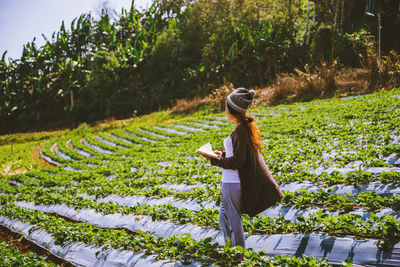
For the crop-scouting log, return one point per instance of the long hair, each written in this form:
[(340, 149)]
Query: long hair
[(248, 121)]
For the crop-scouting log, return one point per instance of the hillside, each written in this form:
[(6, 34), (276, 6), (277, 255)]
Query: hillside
[(135, 192)]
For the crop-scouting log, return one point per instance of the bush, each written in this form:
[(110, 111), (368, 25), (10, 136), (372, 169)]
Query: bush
[(386, 73), (349, 47), (101, 87), (329, 44), (389, 71), (165, 69), (321, 47), (82, 129)]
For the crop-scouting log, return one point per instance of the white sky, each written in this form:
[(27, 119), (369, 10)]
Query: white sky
[(22, 20)]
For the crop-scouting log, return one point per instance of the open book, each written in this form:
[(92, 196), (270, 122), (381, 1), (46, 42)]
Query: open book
[(206, 150)]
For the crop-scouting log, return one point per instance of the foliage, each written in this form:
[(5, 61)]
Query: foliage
[(145, 60), (389, 72), (330, 44), (11, 256), (102, 84)]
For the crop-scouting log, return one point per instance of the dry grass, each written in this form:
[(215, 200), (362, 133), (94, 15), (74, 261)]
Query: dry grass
[(352, 81), (322, 82), (303, 86), (217, 98), (187, 105), (326, 82)]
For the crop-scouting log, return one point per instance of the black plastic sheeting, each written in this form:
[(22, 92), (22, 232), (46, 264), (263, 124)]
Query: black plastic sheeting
[(109, 142), (344, 171), (336, 249), (98, 149), (61, 154), (81, 152), (122, 139), (340, 189), (178, 187), (291, 213), (379, 188), (170, 130), (80, 254), (153, 133), (199, 124), (48, 159), (142, 200), (187, 128), (140, 137)]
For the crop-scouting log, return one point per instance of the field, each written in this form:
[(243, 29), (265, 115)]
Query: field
[(139, 194)]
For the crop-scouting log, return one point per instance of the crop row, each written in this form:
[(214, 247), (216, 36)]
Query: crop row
[(351, 224), (367, 157), (308, 154), (273, 244), (286, 166), (98, 186), (176, 248), (353, 176), (12, 256)]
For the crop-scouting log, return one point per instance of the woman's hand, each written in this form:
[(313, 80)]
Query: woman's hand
[(219, 153), (207, 157)]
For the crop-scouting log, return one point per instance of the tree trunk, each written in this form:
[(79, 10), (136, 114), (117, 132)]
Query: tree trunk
[(72, 109), (342, 14), (313, 17), (290, 19), (335, 7), (308, 15), (398, 13)]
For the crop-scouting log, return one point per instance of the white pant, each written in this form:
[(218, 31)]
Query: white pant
[(230, 217)]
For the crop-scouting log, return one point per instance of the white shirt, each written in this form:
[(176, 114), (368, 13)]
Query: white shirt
[(228, 175)]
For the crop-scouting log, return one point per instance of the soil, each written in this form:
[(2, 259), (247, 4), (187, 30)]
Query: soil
[(69, 144), (25, 246), (53, 148), (36, 157)]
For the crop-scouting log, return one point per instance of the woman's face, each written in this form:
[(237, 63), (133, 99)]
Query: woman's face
[(228, 114)]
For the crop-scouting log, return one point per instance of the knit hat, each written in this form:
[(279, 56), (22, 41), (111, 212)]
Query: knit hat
[(240, 99)]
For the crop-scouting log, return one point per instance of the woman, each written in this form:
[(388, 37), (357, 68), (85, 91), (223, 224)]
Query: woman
[(247, 186)]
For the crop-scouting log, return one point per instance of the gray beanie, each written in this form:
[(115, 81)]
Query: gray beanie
[(240, 99)]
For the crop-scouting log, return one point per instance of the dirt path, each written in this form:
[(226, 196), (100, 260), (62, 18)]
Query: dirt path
[(36, 157)]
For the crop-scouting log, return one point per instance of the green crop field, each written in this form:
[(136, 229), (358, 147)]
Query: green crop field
[(139, 194)]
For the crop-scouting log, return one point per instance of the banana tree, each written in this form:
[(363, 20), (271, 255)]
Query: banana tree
[(68, 75)]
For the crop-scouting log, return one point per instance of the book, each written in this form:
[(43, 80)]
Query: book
[(206, 150)]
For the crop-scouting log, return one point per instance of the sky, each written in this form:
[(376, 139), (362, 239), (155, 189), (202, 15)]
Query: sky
[(22, 20)]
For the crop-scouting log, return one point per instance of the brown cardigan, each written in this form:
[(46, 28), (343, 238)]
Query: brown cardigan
[(259, 190)]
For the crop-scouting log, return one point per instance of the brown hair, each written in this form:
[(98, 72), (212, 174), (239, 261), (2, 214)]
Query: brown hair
[(251, 126)]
